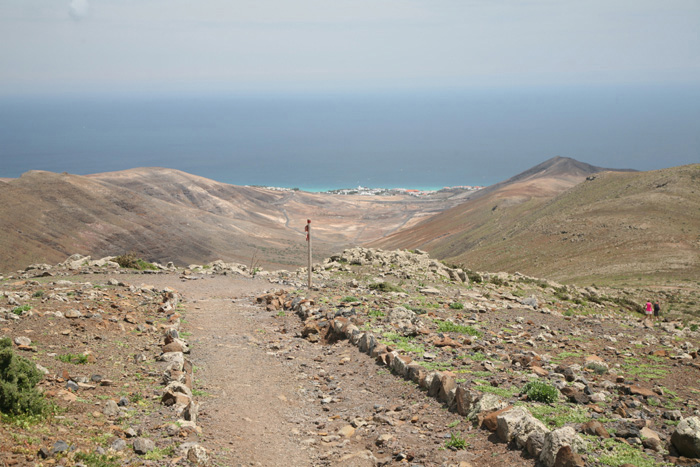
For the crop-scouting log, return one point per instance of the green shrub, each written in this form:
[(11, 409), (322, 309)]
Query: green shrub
[(19, 309), (385, 287), (597, 367), (457, 306), (539, 391), (349, 299), (18, 378), (474, 276), (38, 294), (449, 326), (131, 261), (498, 281)]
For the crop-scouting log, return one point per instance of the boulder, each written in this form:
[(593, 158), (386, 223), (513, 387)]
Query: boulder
[(555, 440), (400, 365), (518, 425), (464, 398), (176, 393), (487, 403), (686, 437), (143, 445), (197, 455), (567, 457)]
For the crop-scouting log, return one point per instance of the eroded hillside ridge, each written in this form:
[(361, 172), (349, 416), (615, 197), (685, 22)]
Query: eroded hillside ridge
[(608, 227), (168, 215)]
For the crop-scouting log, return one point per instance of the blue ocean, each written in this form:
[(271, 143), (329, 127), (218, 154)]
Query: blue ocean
[(316, 142)]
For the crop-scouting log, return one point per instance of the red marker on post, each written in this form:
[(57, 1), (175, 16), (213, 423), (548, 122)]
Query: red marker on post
[(308, 240)]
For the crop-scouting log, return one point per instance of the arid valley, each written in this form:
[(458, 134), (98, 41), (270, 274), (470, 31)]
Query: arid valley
[(498, 327)]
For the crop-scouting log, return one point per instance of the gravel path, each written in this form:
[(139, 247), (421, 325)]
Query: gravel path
[(272, 399)]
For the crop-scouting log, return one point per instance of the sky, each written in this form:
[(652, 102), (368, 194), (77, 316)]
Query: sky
[(268, 46), (474, 90)]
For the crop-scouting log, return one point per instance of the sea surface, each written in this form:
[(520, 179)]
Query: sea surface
[(319, 142)]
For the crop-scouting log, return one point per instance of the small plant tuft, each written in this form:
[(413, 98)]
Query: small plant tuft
[(449, 326), (456, 442), (72, 358), (539, 391), (457, 306), (385, 287)]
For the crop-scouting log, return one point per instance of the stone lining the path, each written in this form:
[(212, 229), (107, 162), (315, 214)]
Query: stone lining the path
[(511, 424)]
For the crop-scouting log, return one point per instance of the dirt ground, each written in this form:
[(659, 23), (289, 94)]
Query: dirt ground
[(267, 391), (269, 397)]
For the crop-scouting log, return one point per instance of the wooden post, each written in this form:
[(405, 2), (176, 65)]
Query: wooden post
[(308, 240)]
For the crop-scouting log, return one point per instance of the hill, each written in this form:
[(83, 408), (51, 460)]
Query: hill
[(616, 225), (164, 214)]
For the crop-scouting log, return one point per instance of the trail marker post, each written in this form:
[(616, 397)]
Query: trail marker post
[(308, 240)]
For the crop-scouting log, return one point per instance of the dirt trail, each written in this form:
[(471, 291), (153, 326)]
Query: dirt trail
[(249, 399), (272, 399)]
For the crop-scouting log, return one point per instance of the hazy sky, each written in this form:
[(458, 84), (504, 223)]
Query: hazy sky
[(328, 45)]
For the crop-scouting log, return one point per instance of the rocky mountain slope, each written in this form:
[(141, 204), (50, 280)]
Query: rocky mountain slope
[(612, 226), (393, 357), (167, 215)]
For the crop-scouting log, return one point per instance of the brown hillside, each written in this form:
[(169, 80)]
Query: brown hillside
[(166, 214), (487, 212), (616, 225)]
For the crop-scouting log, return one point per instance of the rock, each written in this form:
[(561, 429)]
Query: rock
[(357, 459), (534, 443), (118, 445), (686, 437), (383, 439), (566, 457), (73, 314), (59, 446), (446, 342), (415, 373), (447, 384), (143, 445), (518, 425), (43, 453), (672, 415), (487, 403), (640, 391), (595, 428), (367, 343), (23, 341), (555, 440), (190, 412), (400, 365), (652, 443), (110, 409), (347, 431), (176, 393), (197, 455), (464, 398), (489, 420)]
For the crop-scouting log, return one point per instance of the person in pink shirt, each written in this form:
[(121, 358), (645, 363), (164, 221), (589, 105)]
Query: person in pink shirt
[(649, 309)]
